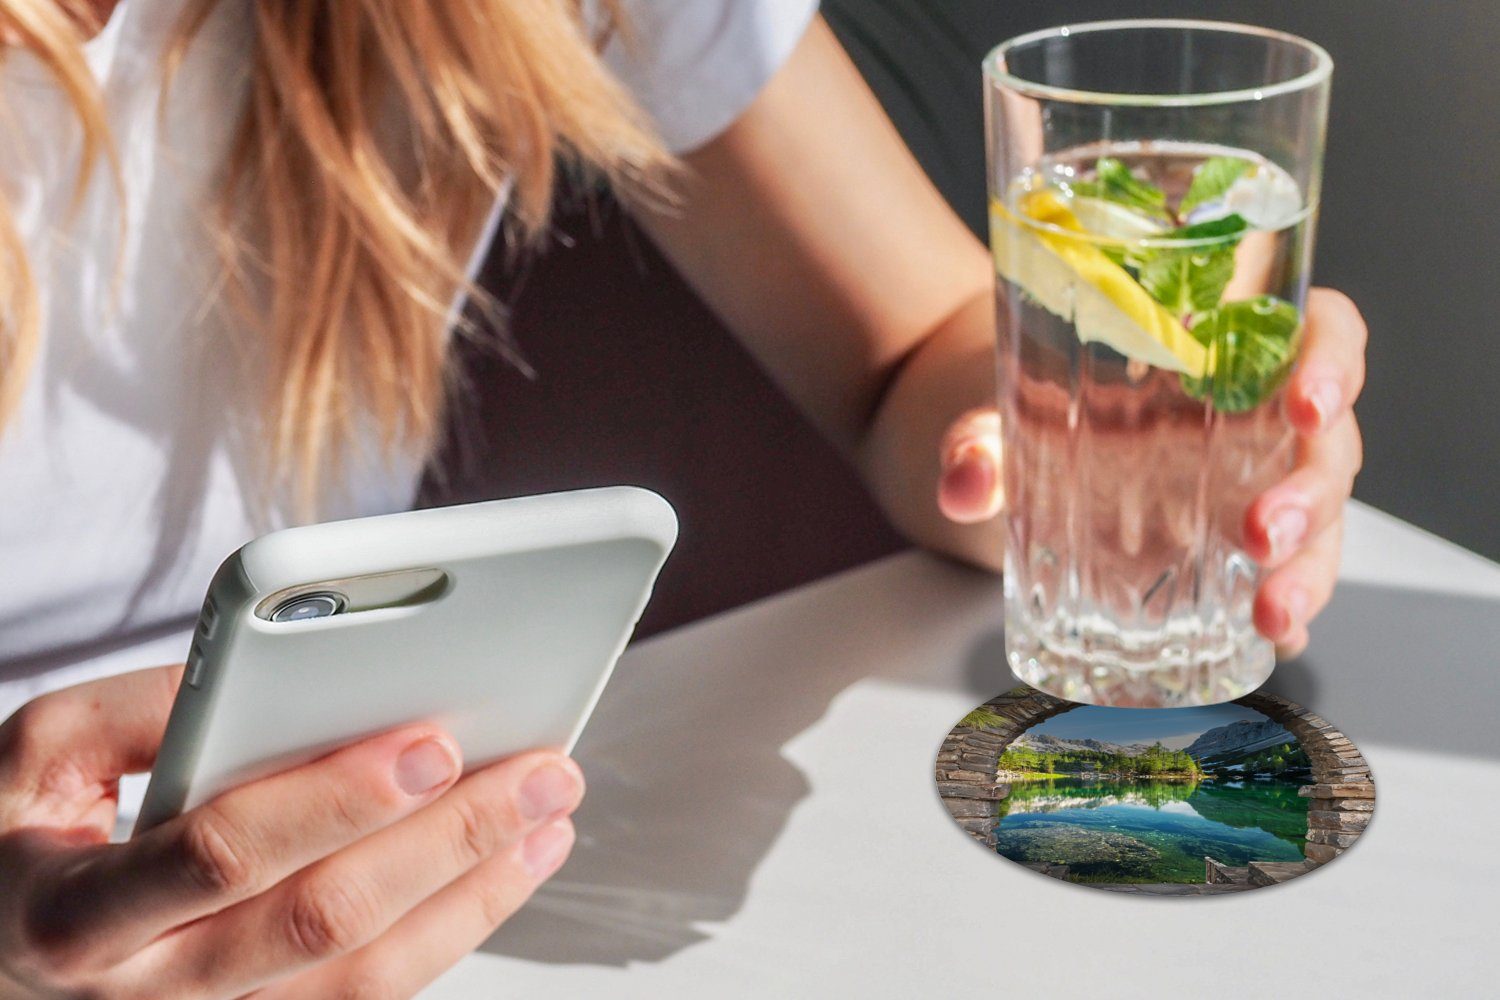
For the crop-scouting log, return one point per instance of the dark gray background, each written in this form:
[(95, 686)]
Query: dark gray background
[(1408, 227)]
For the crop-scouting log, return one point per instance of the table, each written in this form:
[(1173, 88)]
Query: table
[(762, 821)]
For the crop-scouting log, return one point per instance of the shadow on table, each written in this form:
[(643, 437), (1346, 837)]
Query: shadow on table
[(688, 785), (1404, 667), (689, 788)]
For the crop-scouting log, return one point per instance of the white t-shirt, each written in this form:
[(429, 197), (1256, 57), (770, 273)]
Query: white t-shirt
[(124, 480)]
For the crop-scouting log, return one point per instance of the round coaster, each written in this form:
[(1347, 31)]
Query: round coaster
[(1170, 802)]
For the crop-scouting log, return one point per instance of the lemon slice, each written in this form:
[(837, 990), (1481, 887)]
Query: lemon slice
[(1106, 218), (1075, 280)]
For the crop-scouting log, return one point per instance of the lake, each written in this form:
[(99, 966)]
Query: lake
[(1150, 830)]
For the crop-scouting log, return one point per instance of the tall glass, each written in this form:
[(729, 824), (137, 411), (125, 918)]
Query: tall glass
[(1153, 188)]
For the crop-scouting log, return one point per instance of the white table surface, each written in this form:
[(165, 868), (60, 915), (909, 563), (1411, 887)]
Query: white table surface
[(762, 822)]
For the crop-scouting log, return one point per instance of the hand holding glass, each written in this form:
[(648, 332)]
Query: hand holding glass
[(1153, 187)]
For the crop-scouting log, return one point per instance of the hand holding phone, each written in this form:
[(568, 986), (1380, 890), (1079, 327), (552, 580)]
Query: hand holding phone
[(499, 622), (375, 862)]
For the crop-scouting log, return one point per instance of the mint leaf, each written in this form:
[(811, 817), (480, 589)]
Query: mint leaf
[(1192, 279), (1211, 180), (1185, 283), (1114, 182), (1250, 349), (1132, 257), (1215, 229)]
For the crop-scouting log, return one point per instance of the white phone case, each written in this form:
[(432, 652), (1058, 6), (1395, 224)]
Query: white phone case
[(537, 598)]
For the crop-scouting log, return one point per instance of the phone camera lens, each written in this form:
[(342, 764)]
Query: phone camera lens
[(305, 606)]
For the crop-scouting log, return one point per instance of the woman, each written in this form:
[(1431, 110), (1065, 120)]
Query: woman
[(233, 239)]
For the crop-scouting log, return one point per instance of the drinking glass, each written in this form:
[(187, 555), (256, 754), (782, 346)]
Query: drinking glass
[(1153, 189)]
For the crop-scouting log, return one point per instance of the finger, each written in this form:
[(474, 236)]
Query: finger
[(1294, 644), (1291, 596), (442, 929), (101, 730), (1331, 371), (969, 487), (122, 896), (349, 899), (1301, 506)]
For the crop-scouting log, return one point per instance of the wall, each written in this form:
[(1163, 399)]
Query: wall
[(633, 380), (1408, 222)]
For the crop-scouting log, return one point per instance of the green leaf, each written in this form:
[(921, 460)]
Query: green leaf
[(1188, 283), (1251, 345), (1217, 229), (1114, 182), (1211, 180), (1192, 279)]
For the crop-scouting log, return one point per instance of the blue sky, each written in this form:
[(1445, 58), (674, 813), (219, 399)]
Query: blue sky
[(1174, 727)]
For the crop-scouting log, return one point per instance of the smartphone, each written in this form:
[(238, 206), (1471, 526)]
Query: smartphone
[(500, 621)]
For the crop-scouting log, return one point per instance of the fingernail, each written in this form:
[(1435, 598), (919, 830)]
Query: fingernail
[(1325, 396), (1297, 603), (968, 453), (424, 765), (1286, 530), (971, 471), (971, 478), (545, 850), (549, 790)]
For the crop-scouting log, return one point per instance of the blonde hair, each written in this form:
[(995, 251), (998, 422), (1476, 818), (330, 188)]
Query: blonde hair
[(345, 256)]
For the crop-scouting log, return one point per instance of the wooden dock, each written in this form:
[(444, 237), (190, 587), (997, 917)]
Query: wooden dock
[(1276, 872), (1256, 873)]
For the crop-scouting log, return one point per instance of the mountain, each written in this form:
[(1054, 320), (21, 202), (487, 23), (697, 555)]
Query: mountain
[(1043, 743), (1224, 744)]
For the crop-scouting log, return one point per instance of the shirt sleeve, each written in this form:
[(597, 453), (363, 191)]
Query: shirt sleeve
[(695, 65)]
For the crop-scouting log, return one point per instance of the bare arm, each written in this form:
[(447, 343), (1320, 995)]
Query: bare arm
[(819, 240)]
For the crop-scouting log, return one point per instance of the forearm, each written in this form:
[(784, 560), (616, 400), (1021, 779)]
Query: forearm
[(949, 373), (811, 230)]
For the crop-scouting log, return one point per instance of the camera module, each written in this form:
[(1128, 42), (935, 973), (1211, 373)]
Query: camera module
[(307, 606)]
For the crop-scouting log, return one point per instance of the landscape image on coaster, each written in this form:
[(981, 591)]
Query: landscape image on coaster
[(1181, 802)]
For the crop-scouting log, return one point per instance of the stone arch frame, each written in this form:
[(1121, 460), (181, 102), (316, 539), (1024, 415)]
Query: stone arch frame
[(1342, 793)]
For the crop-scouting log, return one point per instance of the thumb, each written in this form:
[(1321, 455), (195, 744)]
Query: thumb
[(970, 487)]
